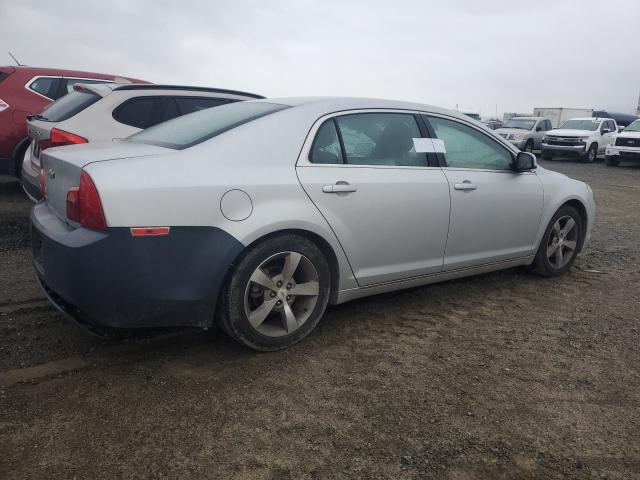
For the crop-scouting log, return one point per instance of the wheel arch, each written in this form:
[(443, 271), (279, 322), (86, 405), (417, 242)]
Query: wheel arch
[(582, 210), (324, 246), (18, 155)]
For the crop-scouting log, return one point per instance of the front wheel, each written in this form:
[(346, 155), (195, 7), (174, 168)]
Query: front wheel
[(560, 243), (528, 147), (276, 294), (591, 154)]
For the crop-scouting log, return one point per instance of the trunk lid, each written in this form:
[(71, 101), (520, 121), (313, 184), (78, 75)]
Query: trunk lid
[(63, 165)]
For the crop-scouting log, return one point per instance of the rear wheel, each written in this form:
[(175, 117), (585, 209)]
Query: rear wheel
[(560, 244), (276, 294), (611, 161)]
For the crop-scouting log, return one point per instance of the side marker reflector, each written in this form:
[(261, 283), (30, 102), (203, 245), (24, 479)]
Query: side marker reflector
[(149, 231)]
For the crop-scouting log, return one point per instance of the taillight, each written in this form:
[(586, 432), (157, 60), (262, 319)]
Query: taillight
[(3, 105), (84, 205), (43, 186), (59, 138)]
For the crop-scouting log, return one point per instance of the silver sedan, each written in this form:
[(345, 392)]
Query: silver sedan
[(258, 214)]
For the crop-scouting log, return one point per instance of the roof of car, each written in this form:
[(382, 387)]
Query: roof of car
[(132, 86), (26, 69), (335, 104), (527, 118)]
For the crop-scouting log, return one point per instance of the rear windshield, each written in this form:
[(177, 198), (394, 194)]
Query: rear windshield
[(194, 128), (68, 106)]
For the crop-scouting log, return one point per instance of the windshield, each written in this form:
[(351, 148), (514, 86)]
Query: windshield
[(194, 128), (519, 123), (633, 127), (581, 125)]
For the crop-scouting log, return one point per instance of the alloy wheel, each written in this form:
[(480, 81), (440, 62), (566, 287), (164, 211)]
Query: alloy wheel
[(281, 294), (563, 241)]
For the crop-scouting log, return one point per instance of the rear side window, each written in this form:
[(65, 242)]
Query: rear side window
[(46, 86), (141, 112), (381, 139), (195, 104), (69, 105), (326, 146), (189, 130), (3, 75)]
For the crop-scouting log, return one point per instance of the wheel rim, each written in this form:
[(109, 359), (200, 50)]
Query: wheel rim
[(281, 294), (563, 241), (528, 148), (592, 154)]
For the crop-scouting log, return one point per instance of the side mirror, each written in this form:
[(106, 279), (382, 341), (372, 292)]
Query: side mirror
[(524, 161), (605, 130), (539, 128)]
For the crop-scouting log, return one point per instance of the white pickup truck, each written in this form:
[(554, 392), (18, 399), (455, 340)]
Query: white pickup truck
[(626, 146), (581, 137)]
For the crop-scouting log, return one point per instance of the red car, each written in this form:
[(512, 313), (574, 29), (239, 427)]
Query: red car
[(25, 91)]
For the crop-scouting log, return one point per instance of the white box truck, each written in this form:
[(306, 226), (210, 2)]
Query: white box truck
[(560, 115)]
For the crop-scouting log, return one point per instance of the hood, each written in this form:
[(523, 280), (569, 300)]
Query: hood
[(629, 135), (560, 132), (509, 131)]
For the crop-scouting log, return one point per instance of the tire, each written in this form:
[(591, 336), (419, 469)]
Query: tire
[(592, 154), (547, 155), (288, 318), (611, 161), (546, 263), (528, 147), (19, 160)]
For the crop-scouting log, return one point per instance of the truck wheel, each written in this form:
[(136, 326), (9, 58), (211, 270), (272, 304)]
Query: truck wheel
[(591, 154), (528, 147), (611, 161)]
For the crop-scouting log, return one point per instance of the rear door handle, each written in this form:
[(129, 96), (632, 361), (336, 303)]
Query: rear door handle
[(466, 185), (339, 188)]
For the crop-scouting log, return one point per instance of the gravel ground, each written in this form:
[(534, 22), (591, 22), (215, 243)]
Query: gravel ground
[(506, 375)]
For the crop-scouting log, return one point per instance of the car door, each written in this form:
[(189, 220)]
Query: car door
[(495, 212), (387, 203), (538, 133), (608, 138)]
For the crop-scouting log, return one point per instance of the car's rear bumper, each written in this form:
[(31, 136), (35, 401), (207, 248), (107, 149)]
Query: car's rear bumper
[(114, 280), (30, 181)]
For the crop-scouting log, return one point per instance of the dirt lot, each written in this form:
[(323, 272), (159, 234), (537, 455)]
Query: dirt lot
[(507, 375)]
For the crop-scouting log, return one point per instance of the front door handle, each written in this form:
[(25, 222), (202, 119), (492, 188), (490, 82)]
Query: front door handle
[(466, 185), (339, 188)]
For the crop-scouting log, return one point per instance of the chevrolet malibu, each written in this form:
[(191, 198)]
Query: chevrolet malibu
[(259, 214)]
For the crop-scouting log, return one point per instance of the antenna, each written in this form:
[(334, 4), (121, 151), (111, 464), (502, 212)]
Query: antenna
[(15, 59)]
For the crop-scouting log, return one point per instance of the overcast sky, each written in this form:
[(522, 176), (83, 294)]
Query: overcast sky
[(516, 54)]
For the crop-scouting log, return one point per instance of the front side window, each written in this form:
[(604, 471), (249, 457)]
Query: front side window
[(189, 130), (380, 139), (45, 86), (466, 147)]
